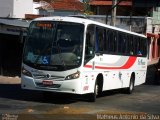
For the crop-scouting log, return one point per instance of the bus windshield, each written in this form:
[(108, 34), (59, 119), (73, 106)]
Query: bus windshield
[(54, 45)]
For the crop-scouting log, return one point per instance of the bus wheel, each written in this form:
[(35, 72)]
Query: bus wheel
[(92, 96), (131, 86)]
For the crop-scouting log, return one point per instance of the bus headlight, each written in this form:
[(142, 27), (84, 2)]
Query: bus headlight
[(26, 72), (73, 76)]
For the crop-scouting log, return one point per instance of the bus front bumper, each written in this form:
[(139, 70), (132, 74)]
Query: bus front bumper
[(65, 86)]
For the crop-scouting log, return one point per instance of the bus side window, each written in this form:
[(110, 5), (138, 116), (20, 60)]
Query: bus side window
[(144, 48), (90, 43), (128, 45), (110, 41), (124, 44), (131, 46), (121, 43), (139, 47), (106, 42), (113, 41), (100, 36)]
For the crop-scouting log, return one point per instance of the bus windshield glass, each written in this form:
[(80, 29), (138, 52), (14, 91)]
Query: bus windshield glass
[(54, 45)]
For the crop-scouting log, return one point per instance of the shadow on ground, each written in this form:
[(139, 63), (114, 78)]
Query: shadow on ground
[(14, 91)]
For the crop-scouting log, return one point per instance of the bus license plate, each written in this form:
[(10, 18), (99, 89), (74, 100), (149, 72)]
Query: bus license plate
[(47, 82)]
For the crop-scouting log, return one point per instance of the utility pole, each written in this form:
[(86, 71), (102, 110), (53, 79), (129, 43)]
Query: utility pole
[(114, 11)]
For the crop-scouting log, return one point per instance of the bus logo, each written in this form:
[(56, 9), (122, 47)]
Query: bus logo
[(48, 75), (141, 62)]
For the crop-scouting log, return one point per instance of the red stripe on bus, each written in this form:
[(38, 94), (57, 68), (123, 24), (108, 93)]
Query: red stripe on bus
[(88, 66), (127, 65)]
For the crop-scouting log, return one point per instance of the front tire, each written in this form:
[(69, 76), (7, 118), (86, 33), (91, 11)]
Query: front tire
[(93, 96)]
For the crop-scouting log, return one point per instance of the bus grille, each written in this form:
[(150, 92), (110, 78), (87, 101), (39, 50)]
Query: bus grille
[(51, 77)]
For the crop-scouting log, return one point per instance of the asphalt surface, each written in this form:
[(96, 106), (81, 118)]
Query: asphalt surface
[(25, 104)]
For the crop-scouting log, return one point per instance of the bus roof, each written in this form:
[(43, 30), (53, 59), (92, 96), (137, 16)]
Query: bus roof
[(84, 21)]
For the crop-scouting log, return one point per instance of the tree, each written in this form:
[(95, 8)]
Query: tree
[(87, 10)]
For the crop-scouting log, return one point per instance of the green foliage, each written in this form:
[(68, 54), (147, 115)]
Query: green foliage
[(87, 10)]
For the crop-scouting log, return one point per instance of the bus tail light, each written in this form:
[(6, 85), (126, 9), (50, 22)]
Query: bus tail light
[(73, 76), (26, 72)]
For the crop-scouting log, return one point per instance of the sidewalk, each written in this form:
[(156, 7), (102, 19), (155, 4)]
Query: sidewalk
[(10, 80)]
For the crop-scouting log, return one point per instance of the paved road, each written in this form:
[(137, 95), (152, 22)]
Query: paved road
[(15, 101)]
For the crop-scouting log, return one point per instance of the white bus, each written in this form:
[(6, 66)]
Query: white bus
[(81, 56)]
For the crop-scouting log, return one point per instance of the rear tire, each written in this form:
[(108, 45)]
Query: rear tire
[(130, 89)]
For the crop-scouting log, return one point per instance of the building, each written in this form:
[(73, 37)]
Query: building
[(12, 36), (103, 7), (61, 8), (12, 31), (15, 8), (144, 7), (125, 7), (147, 14)]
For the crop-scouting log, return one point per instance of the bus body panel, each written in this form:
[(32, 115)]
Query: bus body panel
[(59, 85), (117, 76)]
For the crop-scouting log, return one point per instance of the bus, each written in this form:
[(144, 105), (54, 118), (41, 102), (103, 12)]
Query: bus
[(81, 56)]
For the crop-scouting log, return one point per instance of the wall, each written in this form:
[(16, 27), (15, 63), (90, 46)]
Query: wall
[(22, 7), (156, 16), (6, 8), (15, 8), (64, 13), (35, 6), (57, 12)]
